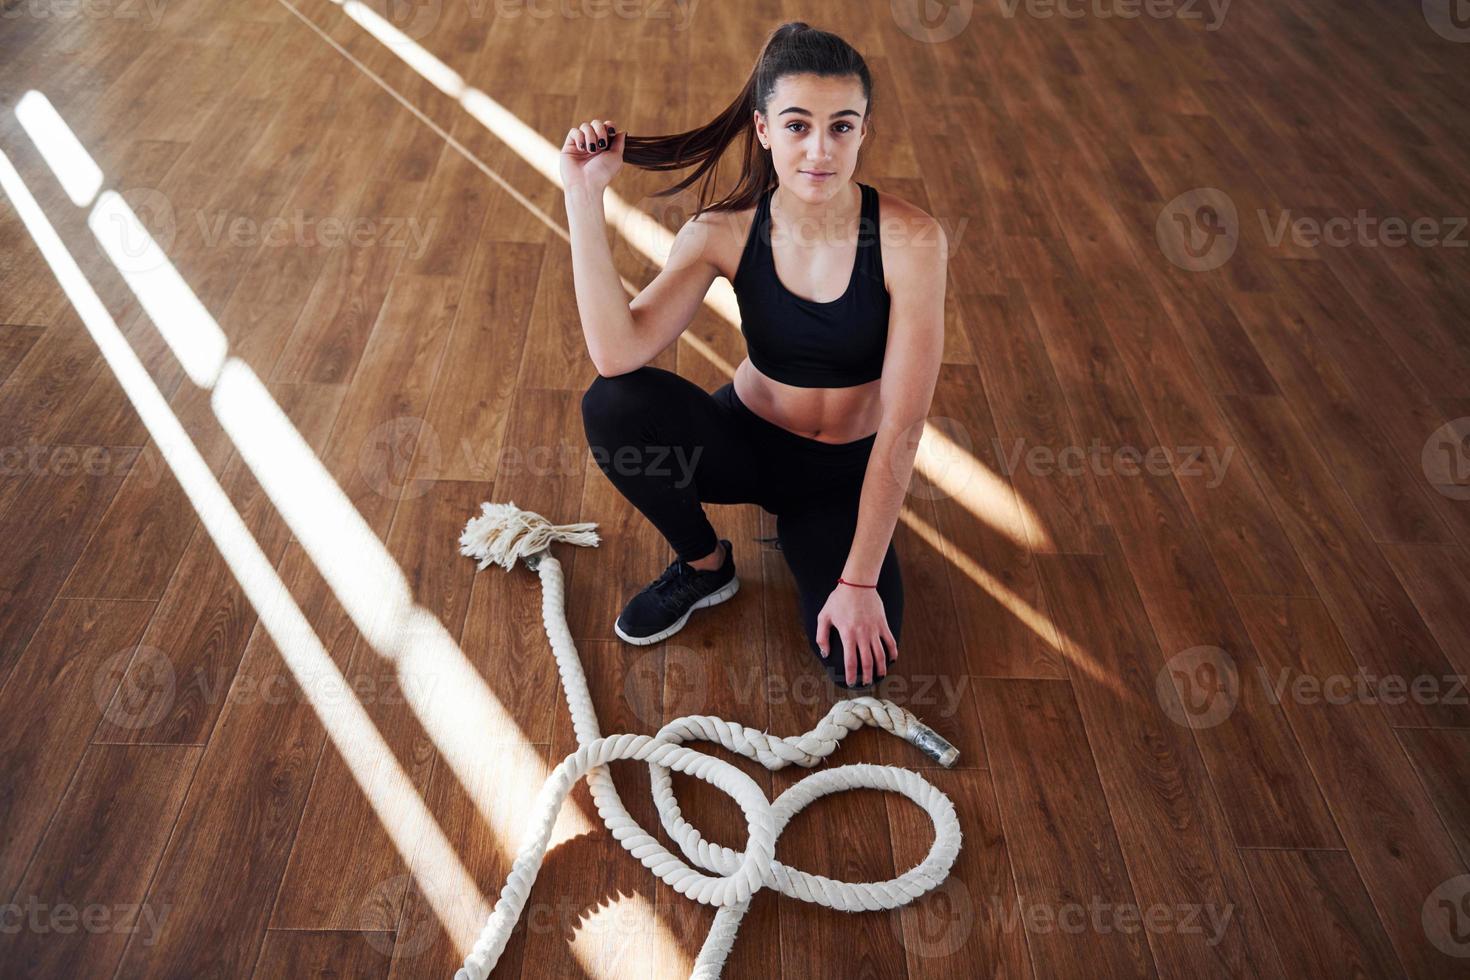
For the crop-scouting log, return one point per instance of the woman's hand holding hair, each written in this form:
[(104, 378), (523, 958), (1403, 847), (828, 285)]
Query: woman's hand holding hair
[(591, 156)]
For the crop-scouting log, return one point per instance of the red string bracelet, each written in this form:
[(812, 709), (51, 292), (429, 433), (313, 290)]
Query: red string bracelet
[(843, 581)]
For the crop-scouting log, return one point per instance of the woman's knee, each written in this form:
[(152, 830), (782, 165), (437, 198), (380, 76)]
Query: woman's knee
[(611, 403)]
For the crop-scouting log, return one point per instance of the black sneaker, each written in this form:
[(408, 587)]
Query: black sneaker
[(664, 605)]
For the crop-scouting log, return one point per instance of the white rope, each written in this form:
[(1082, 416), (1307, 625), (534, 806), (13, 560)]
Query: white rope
[(503, 533)]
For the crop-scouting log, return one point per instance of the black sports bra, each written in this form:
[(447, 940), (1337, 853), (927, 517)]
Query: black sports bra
[(801, 342)]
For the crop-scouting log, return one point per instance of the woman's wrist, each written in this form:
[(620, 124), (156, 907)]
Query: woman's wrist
[(583, 196)]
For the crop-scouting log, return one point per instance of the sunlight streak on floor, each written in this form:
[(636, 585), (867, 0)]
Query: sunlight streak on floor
[(196, 340), (957, 473), (387, 787), (79, 176), (1040, 624)]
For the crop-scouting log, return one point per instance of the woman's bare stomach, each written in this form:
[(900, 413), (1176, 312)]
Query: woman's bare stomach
[(823, 414)]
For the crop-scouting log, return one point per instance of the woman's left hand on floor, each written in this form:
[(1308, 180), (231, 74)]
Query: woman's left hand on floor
[(862, 625)]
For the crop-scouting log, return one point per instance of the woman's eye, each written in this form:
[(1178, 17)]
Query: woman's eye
[(844, 127)]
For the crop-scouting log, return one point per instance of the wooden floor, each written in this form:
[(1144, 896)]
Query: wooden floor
[(216, 518)]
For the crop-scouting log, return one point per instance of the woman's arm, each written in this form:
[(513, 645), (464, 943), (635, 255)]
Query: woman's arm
[(602, 302), (910, 373), (623, 336), (911, 363)]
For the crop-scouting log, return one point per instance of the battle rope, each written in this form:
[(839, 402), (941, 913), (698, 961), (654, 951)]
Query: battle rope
[(503, 533)]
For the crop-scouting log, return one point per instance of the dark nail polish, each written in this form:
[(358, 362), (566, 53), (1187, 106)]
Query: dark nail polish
[(602, 143)]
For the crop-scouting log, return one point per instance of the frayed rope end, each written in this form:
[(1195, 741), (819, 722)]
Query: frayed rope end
[(503, 532)]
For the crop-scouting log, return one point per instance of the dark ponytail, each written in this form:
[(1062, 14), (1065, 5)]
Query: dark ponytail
[(793, 48)]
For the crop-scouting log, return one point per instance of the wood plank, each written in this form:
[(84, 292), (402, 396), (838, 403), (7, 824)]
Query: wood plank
[(51, 706), (61, 365), (1377, 619), (1437, 579), (328, 343), (1320, 916), (1442, 759), (469, 409), (1169, 820), (1226, 692), (175, 687), (1042, 767), (1007, 629), (224, 861), (967, 926), (90, 873), (45, 530), (325, 955), (1388, 821), (16, 341), (1031, 415), (504, 615), (141, 538), (1392, 505), (318, 890)]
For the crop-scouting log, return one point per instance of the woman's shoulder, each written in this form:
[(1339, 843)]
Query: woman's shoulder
[(903, 212), (906, 232), (724, 233)]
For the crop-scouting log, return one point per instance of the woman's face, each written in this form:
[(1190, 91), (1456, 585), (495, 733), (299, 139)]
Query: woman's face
[(815, 126)]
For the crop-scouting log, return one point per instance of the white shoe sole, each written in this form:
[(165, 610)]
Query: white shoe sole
[(713, 599)]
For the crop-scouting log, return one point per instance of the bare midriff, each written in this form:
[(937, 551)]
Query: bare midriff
[(824, 414)]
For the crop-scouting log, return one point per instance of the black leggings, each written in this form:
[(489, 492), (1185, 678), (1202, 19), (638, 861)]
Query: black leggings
[(668, 445)]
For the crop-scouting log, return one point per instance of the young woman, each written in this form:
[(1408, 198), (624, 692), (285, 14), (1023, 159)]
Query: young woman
[(844, 335)]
